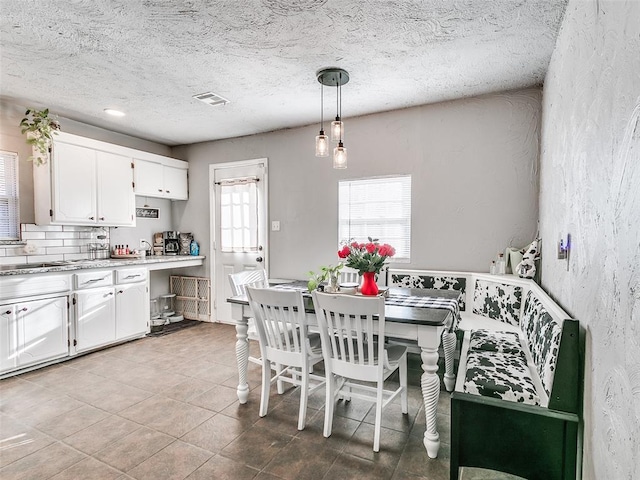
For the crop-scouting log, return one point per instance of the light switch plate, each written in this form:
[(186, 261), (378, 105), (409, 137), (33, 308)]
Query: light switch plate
[(275, 226)]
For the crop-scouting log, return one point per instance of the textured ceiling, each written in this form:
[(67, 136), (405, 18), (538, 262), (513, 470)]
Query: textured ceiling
[(149, 57)]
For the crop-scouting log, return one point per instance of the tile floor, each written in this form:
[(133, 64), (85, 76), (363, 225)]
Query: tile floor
[(166, 408)]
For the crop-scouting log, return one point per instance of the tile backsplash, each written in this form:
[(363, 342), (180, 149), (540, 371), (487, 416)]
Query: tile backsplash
[(51, 243)]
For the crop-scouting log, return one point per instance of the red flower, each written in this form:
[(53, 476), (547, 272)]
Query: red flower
[(344, 253), (371, 247), (387, 250)]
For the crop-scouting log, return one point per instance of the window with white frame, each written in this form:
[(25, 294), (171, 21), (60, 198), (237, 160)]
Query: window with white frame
[(239, 215), (377, 208), (9, 211)]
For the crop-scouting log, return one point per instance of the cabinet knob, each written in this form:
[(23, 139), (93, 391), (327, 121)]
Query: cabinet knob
[(24, 309), (107, 294), (120, 291), (102, 218), (92, 218), (159, 189), (7, 312), (168, 191)]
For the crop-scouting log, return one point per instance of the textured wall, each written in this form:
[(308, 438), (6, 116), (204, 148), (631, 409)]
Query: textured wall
[(590, 187), (474, 181)]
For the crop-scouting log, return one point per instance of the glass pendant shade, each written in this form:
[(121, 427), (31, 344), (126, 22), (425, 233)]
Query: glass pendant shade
[(337, 130), (340, 157), (322, 145)]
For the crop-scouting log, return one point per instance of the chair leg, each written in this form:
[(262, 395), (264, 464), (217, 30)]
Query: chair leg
[(376, 437), (402, 371), (266, 386), (329, 404), (304, 395), (280, 382)]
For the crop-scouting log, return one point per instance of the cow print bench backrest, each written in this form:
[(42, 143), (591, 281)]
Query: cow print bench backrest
[(543, 334), (498, 301), (439, 282)]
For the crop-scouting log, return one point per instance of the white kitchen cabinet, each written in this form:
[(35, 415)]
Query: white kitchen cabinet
[(74, 189), (132, 303), (95, 324), (33, 331), (161, 177), (84, 184), (116, 200)]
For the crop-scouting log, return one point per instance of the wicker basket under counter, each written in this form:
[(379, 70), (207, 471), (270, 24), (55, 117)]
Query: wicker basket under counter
[(193, 297)]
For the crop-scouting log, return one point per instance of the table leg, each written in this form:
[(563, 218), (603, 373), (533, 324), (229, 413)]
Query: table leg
[(242, 357), (430, 383), (449, 347)]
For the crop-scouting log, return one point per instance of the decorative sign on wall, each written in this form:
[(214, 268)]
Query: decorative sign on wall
[(146, 212)]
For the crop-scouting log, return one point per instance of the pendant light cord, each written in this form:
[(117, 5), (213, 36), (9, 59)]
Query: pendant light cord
[(321, 106), (340, 102)]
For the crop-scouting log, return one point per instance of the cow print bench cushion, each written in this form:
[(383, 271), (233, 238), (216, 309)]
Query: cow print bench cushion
[(493, 341), (505, 377)]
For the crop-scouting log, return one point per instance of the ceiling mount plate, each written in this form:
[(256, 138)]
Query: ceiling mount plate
[(332, 77)]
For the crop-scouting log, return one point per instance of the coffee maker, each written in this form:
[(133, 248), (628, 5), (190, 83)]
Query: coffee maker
[(171, 243)]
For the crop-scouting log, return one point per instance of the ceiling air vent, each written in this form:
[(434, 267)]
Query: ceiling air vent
[(211, 98)]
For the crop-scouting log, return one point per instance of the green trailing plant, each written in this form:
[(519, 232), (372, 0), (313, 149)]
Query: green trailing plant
[(326, 273), (40, 129)]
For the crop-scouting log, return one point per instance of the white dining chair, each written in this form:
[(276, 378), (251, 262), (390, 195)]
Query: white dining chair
[(349, 275), (352, 333), (280, 319), (239, 283)]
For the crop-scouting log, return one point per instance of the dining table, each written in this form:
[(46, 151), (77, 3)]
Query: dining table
[(425, 316)]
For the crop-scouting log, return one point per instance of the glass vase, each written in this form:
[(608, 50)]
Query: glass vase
[(369, 285)]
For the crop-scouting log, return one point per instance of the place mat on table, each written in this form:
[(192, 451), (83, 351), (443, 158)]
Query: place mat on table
[(427, 302), (290, 286)]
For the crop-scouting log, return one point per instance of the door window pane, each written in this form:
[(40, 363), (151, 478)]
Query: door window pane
[(239, 217)]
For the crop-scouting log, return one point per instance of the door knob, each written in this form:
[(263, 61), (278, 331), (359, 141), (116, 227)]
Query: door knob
[(259, 259)]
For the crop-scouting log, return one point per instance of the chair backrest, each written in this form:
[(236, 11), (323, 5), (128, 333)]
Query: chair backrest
[(248, 278), (349, 275), (281, 323), (352, 339)]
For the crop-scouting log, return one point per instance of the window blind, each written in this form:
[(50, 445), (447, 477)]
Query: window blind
[(9, 210), (239, 217), (378, 208)]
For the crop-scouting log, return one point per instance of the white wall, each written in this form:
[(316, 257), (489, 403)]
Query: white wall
[(473, 164), (590, 187)]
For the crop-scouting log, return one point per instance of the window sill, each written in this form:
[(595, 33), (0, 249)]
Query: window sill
[(12, 242)]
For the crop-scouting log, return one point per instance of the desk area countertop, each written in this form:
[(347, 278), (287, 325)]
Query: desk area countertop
[(158, 262)]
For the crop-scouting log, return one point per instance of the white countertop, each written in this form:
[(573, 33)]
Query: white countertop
[(157, 262)]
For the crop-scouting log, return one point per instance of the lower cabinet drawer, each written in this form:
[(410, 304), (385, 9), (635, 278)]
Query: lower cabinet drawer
[(94, 278), (130, 275)]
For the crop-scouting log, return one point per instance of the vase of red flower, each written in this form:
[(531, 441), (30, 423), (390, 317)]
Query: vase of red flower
[(368, 258)]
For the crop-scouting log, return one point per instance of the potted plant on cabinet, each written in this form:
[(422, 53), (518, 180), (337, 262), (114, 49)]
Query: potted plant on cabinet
[(39, 128)]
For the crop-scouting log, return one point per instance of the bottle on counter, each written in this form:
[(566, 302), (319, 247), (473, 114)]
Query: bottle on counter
[(492, 268), (194, 248), (501, 265)]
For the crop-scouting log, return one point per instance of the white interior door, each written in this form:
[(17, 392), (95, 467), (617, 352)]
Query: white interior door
[(238, 192)]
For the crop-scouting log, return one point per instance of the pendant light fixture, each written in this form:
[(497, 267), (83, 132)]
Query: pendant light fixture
[(333, 77), (322, 141)]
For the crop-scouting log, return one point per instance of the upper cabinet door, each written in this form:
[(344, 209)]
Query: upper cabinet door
[(176, 183), (74, 185), (161, 179), (148, 178), (116, 201)]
